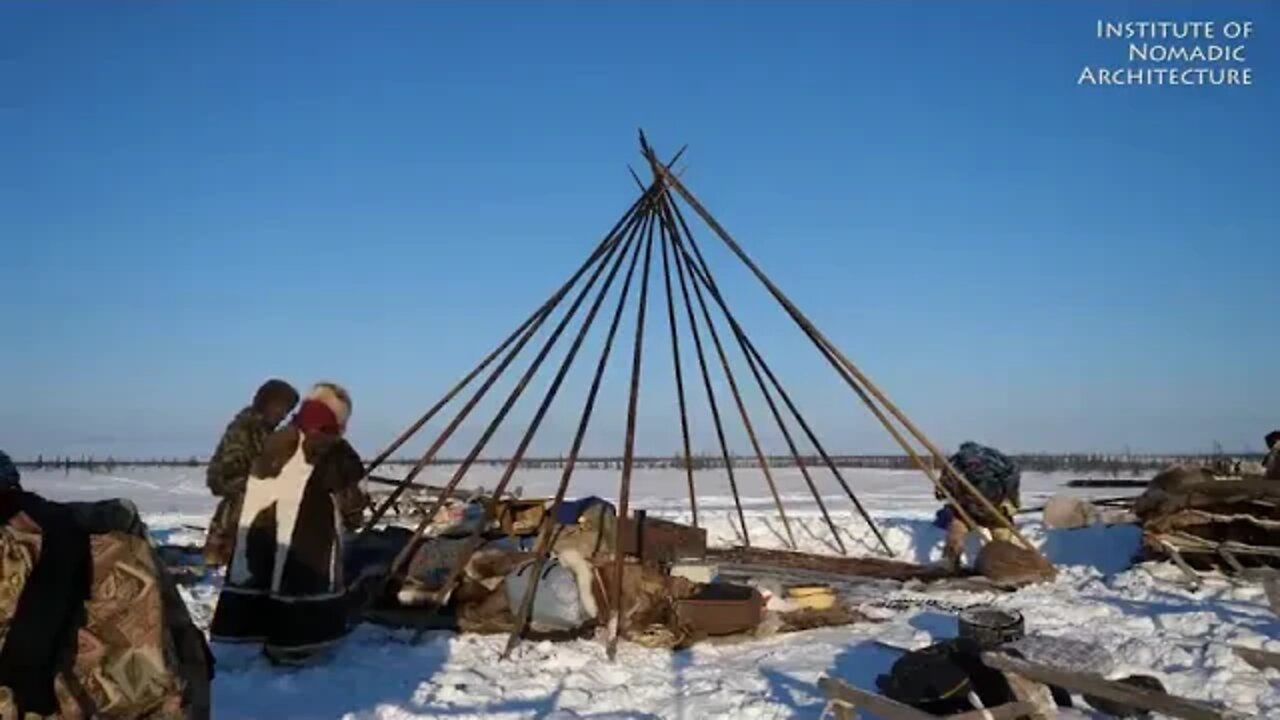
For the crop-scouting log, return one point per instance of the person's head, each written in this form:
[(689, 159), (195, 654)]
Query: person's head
[(1273, 437), (10, 479), (327, 408), (274, 400)]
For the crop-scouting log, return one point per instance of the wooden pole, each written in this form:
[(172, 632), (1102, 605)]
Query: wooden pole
[(403, 557), (675, 361), (854, 372), (529, 329), (711, 401), (754, 353), (742, 407), (475, 538), (628, 457), (543, 546), (744, 344), (675, 358)]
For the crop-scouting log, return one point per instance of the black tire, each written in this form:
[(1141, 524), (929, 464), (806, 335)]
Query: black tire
[(991, 627)]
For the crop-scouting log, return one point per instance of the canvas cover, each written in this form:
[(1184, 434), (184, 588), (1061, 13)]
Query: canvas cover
[(563, 599)]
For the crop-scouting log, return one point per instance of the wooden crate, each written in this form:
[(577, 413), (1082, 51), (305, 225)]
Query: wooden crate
[(654, 540)]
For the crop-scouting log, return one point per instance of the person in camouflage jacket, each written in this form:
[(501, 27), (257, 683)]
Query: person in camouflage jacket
[(228, 472), (285, 588)]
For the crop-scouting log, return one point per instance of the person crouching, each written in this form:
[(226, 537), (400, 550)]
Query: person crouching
[(991, 473), (284, 584)]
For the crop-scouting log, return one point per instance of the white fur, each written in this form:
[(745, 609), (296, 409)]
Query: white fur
[(289, 486), (285, 493), (585, 576), (334, 397), (415, 595)]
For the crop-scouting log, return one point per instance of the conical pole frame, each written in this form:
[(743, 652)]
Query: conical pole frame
[(655, 217)]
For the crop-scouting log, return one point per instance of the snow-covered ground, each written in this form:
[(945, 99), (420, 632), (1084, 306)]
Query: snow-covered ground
[(1144, 615)]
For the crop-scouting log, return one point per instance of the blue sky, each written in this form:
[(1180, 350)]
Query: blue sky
[(195, 196)]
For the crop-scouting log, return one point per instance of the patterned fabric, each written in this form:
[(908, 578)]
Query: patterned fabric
[(128, 665), (221, 537), (992, 473), (241, 442), (19, 548), (9, 476), (125, 663)]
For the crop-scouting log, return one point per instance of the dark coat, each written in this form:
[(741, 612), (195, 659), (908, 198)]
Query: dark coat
[(285, 585)]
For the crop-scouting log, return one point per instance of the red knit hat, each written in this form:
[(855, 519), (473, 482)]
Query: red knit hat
[(326, 409)]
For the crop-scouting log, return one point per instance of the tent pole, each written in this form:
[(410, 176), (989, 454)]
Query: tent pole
[(854, 372)]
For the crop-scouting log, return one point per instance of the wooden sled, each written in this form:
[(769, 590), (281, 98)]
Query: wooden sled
[(846, 701), (1096, 685)]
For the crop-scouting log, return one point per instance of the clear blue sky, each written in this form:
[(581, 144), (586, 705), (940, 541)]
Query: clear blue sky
[(195, 196)]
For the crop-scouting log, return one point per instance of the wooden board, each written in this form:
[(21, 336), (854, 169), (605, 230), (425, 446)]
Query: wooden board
[(846, 566), (1114, 483), (888, 709), (1116, 691)]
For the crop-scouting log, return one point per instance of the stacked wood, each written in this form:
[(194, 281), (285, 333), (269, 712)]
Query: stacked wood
[(1212, 523)]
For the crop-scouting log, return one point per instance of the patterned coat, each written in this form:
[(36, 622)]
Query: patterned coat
[(227, 476), (992, 473), (285, 585), (228, 472)]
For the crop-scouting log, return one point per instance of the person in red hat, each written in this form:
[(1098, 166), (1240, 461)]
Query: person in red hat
[(284, 586)]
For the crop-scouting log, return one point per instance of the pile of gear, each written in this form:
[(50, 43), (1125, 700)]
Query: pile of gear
[(1205, 521), (470, 574)]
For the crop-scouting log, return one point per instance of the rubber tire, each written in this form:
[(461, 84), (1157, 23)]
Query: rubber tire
[(990, 634)]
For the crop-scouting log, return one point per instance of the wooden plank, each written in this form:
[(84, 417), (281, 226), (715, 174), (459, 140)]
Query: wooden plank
[(1192, 576), (1101, 687), (884, 707), (844, 712), (1114, 483), (1008, 711), (1260, 659), (1272, 587), (860, 567), (1231, 559)]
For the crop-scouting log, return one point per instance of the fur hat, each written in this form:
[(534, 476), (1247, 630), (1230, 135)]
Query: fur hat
[(334, 397), (274, 391)]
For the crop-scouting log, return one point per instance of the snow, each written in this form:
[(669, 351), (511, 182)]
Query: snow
[(1149, 619)]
